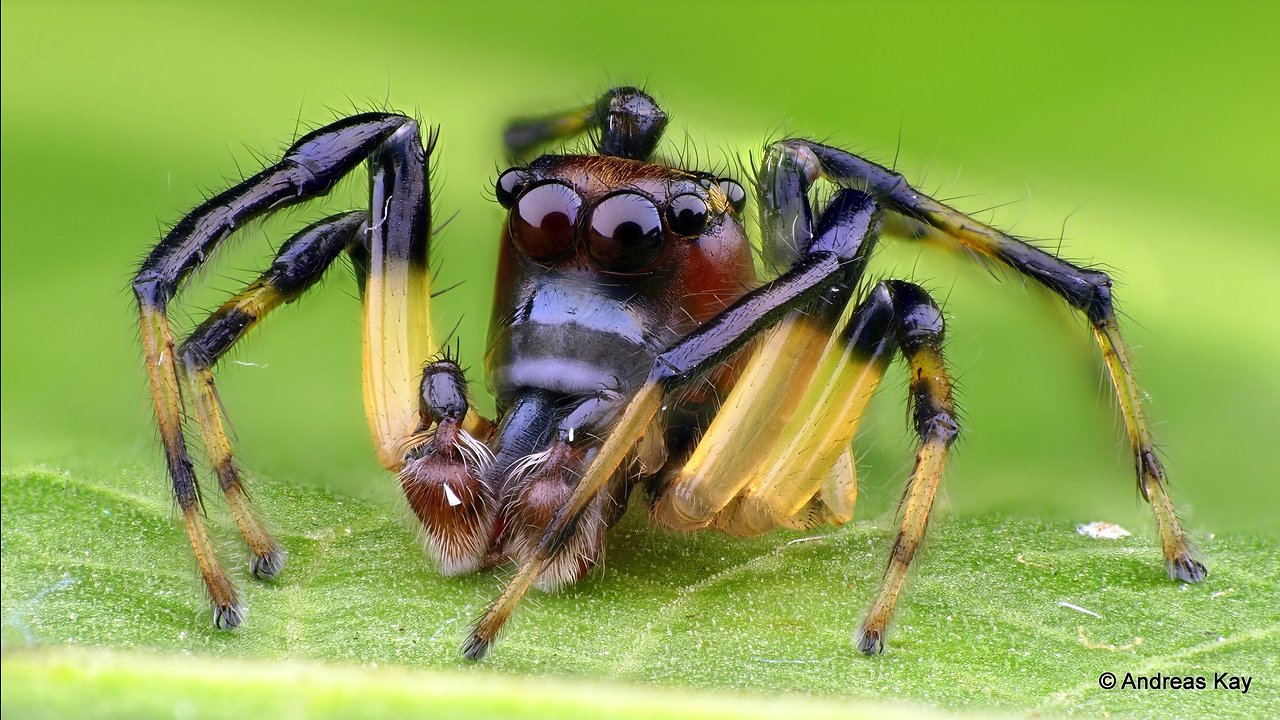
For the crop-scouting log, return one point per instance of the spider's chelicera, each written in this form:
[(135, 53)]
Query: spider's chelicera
[(632, 346)]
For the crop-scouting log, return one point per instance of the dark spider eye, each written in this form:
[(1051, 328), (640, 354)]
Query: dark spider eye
[(626, 232), (509, 185), (687, 214), (543, 220), (736, 195)]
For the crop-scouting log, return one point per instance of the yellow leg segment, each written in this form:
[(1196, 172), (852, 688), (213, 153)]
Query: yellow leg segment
[(805, 453), (397, 344), (916, 504), (751, 419), (252, 305), (162, 373)]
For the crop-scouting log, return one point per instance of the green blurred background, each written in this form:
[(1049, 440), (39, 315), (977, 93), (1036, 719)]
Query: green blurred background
[(1141, 135)]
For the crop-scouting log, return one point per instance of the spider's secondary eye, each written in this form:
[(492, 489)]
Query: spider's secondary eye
[(543, 221), (626, 232), (687, 215), (509, 186), (734, 192)]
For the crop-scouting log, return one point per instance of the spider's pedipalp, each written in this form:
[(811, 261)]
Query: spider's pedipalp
[(444, 477), (535, 493)]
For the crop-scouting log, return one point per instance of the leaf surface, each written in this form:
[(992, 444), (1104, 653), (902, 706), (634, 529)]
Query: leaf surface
[(1003, 613)]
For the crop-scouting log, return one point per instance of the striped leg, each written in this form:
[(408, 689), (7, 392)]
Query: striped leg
[(300, 264), (794, 478), (919, 332), (1088, 291), (787, 473), (396, 297), (798, 363)]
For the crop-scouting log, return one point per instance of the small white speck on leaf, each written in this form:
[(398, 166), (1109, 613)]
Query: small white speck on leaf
[(1099, 530)]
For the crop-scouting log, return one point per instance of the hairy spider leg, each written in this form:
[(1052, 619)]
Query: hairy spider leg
[(627, 121), (822, 265), (1088, 291), (397, 293), (918, 329), (399, 233), (300, 263), (798, 364)]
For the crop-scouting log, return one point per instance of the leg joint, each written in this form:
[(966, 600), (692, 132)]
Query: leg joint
[(1099, 306), (848, 226), (151, 288), (920, 321)]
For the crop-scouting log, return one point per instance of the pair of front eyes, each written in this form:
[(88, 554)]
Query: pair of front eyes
[(624, 230)]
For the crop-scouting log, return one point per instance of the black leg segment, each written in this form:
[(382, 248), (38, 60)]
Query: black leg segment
[(300, 263), (309, 168)]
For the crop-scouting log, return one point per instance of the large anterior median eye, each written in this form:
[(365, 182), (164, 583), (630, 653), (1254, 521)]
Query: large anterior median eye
[(626, 232), (543, 221)]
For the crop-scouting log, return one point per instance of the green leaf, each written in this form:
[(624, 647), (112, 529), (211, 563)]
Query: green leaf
[(997, 608)]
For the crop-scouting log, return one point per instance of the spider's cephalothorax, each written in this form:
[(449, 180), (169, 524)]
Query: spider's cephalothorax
[(619, 350)]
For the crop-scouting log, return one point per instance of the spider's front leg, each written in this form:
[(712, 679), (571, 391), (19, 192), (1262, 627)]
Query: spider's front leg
[(395, 256)]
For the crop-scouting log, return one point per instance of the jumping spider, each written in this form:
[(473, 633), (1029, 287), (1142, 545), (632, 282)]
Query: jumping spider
[(628, 304)]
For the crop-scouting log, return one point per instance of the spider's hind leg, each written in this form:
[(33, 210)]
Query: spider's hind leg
[(628, 121)]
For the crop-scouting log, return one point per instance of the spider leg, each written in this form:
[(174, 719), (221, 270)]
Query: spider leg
[(628, 120), (854, 218), (786, 472), (300, 264), (918, 330), (786, 483), (400, 228), (1088, 291)]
